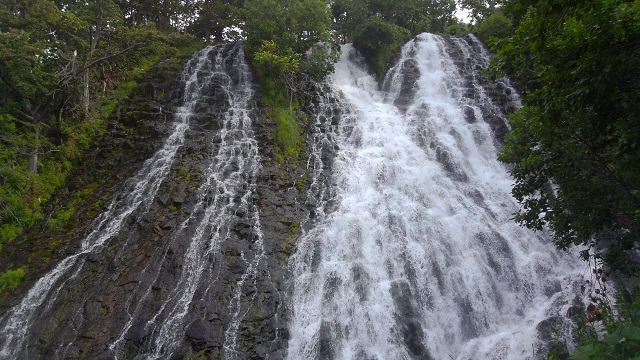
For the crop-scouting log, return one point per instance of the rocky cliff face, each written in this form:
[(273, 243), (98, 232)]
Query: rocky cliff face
[(222, 187), (182, 248)]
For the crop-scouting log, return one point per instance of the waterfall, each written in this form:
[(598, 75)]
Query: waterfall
[(137, 195), (156, 297), (418, 258), (226, 189), (408, 250)]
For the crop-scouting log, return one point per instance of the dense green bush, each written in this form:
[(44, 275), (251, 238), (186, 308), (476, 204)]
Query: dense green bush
[(496, 25), (578, 67), (319, 61), (10, 279), (379, 42), (622, 334)]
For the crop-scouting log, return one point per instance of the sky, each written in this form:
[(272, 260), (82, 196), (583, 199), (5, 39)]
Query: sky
[(463, 15)]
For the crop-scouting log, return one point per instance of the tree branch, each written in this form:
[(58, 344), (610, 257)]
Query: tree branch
[(69, 78)]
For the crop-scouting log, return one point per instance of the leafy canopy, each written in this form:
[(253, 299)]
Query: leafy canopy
[(575, 145)]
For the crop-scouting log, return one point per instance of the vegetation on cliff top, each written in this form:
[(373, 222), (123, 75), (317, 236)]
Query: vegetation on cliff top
[(66, 65), (65, 68)]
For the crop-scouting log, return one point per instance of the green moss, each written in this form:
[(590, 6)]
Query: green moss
[(379, 42), (284, 112), (299, 183), (288, 135), (183, 173), (10, 279), (8, 232), (287, 246), (202, 355), (94, 209), (61, 217), (172, 207)]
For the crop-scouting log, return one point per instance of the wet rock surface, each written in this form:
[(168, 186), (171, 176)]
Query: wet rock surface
[(113, 304), (495, 99)]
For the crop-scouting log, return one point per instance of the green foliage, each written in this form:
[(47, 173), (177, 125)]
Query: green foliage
[(379, 41), (414, 15), (481, 10), (292, 25), (495, 25), (288, 134), (279, 33), (299, 183), (43, 130), (202, 355), (214, 19), (319, 61), (622, 338), (282, 110), (575, 146), (457, 29), (61, 217), (275, 62), (10, 279)]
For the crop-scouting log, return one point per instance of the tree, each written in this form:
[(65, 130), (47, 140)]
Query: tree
[(481, 9), (494, 25), (417, 16), (37, 40), (290, 24), (575, 145), (378, 41), (347, 15), (212, 17), (55, 58), (282, 35)]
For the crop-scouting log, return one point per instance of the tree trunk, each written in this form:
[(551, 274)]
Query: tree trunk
[(85, 92), (33, 158), (94, 37)]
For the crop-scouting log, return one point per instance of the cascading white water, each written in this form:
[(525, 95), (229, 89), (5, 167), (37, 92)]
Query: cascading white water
[(229, 181), (137, 195), (225, 192), (419, 259)]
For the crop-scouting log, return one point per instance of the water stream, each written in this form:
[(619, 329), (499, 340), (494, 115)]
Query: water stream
[(408, 250), (420, 259)]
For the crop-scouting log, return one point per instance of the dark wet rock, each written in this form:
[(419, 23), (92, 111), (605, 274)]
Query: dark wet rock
[(549, 331), (136, 333), (406, 320), (410, 75), (198, 333), (469, 115), (445, 159), (326, 347), (470, 323), (138, 268), (498, 98), (552, 288)]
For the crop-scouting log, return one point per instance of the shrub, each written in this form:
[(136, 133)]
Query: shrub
[(379, 41), (10, 279), (496, 25)]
